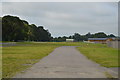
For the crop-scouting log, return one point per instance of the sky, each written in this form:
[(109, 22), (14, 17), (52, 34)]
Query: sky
[(67, 18)]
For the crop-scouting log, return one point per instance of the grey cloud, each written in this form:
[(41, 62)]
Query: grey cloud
[(67, 18)]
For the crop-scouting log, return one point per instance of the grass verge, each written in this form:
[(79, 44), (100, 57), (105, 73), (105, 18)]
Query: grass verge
[(0, 62), (109, 75), (100, 53), (20, 57)]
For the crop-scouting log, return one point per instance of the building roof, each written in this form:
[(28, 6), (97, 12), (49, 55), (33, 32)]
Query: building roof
[(97, 38)]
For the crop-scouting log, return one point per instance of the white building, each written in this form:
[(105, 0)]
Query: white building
[(69, 40)]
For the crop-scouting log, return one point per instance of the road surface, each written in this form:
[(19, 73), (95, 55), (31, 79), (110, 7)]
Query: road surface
[(64, 62)]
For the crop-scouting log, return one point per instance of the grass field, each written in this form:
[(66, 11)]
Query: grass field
[(101, 54), (24, 54), (0, 61)]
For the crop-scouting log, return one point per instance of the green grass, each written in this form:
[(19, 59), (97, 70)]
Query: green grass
[(100, 53), (108, 75), (0, 62), (18, 58), (25, 54)]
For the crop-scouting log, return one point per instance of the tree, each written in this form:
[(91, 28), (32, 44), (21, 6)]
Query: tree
[(43, 35), (15, 29), (77, 37), (0, 29), (100, 35), (88, 35), (70, 37), (111, 35)]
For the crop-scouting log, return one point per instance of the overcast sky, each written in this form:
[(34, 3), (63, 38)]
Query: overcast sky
[(67, 18)]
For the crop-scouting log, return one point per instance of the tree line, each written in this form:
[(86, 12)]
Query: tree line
[(77, 37), (15, 29)]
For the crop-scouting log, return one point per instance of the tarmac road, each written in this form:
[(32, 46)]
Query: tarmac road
[(64, 62)]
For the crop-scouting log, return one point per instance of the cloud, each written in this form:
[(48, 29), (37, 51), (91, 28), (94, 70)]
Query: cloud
[(60, 0), (66, 18), (0, 8)]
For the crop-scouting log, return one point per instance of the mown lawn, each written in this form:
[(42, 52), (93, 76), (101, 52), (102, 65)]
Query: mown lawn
[(0, 62), (100, 53), (24, 54), (18, 58)]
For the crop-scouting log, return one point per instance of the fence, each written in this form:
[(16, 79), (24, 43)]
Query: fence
[(114, 44)]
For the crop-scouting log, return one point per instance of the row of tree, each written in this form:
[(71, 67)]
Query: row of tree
[(0, 29), (15, 29), (78, 37)]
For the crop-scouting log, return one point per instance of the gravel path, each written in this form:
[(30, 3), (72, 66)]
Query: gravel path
[(64, 62)]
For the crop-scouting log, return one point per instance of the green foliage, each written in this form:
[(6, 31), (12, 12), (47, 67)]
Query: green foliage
[(15, 29), (77, 37), (0, 29), (100, 35)]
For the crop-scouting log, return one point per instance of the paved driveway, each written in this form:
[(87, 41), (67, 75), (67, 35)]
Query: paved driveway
[(64, 62)]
